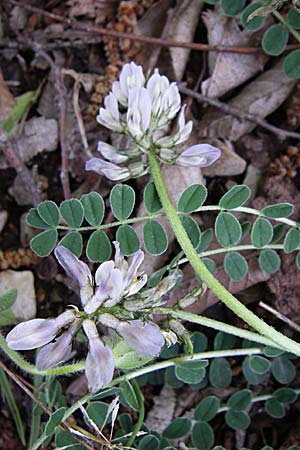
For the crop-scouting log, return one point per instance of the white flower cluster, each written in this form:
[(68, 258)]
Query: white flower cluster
[(116, 283), (140, 108)]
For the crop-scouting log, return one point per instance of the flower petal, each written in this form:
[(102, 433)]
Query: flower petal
[(37, 332), (111, 153), (146, 339), (108, 169), (136, 286), (201, 155), (99, 365), (75, 268), (139, 111), (104, 283), (103, 273), (136, 261), (55, 353)]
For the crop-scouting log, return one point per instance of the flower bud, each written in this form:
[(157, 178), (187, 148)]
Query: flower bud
[(170, 337), (137, 169), (177, 327), (167, 154), (111, 153), (187, 301)]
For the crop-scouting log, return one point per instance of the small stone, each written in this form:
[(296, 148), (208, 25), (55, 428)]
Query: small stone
[(25, 305)]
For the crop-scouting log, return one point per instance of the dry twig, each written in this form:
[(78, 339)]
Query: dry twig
[(138, 38), (61, 93), (14, 160), (238, 113), (28, 392), (280, 316)]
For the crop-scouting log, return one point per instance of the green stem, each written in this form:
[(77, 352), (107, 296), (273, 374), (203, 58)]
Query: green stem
[(163, 365), (258, 398), (284, 22), (216, 325), (216, 287), (140, 421), (234, 248), (111, 224), (246, 210), (242, 209)]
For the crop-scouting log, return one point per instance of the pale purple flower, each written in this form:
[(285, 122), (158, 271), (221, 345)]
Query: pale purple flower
[(108, 169), (183, 133), (110, 115), (58, 351), (116, 279), (37, 332), (109, 283), (165, 98), (157, 85), (132, 280), (144, 338), (200, 155), (139, 112), (99, 365), (184, 129), (131, 76), (77, 270), (111, 153), (170, 105)]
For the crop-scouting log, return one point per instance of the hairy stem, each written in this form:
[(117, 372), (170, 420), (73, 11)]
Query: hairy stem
[(216, 287), (216, 325)]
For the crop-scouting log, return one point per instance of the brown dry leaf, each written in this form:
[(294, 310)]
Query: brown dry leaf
[(183, 25), (18, 18), (262, 96), (180, 25), (154, 23), (162, 411), (177, 179), (39, 135), (92, 9), (228, 70), (7, 101)]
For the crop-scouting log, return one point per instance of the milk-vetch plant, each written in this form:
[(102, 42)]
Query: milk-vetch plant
[(119, 297)]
